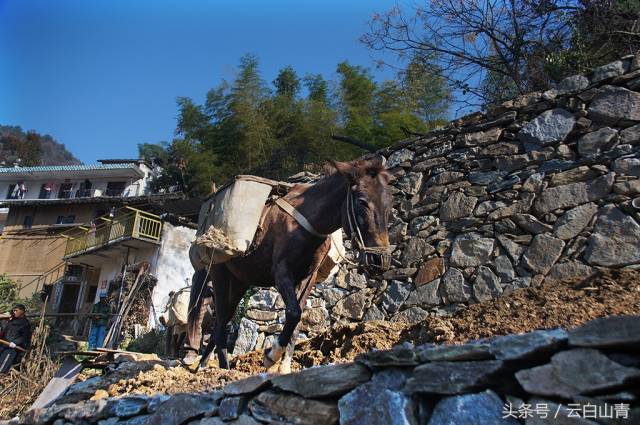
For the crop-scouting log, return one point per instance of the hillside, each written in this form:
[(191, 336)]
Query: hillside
[(32, 148)]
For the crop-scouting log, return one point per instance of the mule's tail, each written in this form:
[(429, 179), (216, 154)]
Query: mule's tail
[(195, 316)]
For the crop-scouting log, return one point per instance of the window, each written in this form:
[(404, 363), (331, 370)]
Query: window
[(85, 189), (12, 193), (115, 188), (45, 191), (91, 294), (65, 190), (28, 222), (70, 219)]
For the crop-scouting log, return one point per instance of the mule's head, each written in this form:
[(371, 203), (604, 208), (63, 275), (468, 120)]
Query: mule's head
[(370, 208)]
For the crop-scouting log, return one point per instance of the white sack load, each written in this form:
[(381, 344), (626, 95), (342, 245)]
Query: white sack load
[(228, 221), (177, 308)]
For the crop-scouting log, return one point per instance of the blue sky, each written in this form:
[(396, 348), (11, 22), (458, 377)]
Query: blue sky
[(103, 76)]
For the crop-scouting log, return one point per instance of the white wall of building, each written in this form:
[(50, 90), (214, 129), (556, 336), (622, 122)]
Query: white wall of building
[(172, 267)]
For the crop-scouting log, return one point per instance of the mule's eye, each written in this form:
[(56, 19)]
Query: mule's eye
[(363, 203)]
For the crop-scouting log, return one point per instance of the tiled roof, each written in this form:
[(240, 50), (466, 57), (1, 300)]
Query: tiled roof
[(53, 168)]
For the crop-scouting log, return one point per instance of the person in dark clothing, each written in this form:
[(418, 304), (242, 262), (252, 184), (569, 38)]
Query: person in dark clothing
[(17, 332), (99, 319)]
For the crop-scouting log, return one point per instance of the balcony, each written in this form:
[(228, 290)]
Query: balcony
[(132, 225)]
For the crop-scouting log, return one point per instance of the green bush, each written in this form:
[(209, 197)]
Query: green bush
[(153, 342), (9, 297)]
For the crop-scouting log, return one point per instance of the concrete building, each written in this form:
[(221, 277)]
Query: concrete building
[(73, 228)]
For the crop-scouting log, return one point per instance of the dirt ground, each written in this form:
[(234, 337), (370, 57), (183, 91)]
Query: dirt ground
[(566, 304)]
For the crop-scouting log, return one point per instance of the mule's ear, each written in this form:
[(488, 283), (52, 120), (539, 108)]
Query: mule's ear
[(345, 169)]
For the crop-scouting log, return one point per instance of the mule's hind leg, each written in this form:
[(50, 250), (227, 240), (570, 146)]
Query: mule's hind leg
[(228, 293)]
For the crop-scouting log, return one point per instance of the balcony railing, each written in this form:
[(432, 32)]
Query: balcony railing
[(133, 223)]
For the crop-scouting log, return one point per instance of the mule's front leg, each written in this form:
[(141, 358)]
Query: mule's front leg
[(293, 313)]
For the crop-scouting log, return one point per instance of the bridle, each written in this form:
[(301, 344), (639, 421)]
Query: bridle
[(373, 258)]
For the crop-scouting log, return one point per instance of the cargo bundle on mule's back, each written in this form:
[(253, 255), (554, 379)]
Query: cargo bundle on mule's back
[(229, 219)]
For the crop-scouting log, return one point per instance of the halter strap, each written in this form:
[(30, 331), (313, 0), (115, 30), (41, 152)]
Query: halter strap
[(302, 220)]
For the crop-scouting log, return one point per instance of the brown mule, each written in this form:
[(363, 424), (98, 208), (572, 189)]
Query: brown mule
[(354, 196)]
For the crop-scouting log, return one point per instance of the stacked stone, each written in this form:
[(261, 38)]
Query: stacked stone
[(589, 375), (264, 318), (544, 187)]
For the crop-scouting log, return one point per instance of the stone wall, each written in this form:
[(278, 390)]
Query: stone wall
[(542, 187), (589, 376)]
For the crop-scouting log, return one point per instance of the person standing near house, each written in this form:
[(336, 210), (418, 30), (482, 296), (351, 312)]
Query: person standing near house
[(99, 318), (17, 333)]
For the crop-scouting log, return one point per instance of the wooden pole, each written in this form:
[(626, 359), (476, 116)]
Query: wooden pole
[(2, 341)]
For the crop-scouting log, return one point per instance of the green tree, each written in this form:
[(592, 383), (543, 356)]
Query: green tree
[(287, 82)]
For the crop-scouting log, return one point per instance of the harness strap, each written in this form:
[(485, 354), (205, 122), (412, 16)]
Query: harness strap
[(289, 209)]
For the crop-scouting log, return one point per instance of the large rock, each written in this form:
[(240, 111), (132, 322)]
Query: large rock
[(398, 157), (470, 251), (549, 127), (272, 407), (591, 145), (504, 268), (627, 166), (514, 249), (455, 353), (608, 332), (352, 306), (263, 299), (410, 316), (181, 407), (421, 223), (614, 104), (574, 175), (369, 404), (430, 270), (573, 84), (571, 270), (425, 295), (248, 385), (232, 407), (480, 137), (574, 372), (401, 355), (530, 224), (571, 223), (457, 206), (454, 287), (542, 254), (610, 70), (630, 135), (410, 183), (571, 195), (247, 337), (483, 408), (396, 293), (453, 377), (486, 285), (530, 345), (416, 249), (323, 381), (615, 240), (446, 177)]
